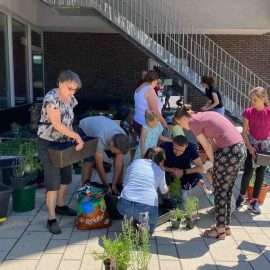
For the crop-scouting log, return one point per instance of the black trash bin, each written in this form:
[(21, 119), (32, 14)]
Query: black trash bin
[(5, 192)]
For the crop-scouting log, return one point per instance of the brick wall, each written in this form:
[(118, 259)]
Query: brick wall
[(253, 51), (108, 64)]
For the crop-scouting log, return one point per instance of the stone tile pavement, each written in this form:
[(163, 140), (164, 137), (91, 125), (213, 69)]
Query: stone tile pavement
[(25, 243)]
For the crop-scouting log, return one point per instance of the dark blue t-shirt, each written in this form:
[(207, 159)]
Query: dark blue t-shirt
[(181, 162)]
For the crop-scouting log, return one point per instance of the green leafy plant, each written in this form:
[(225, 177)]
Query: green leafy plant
[(191, 206), (175, 187), (129, 250), (116, 251), (138, 241), (177, 214), (29, 162)]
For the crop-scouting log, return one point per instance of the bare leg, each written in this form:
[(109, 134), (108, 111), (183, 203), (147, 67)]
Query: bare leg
[(87, 171), (51, 198), (62, 192)]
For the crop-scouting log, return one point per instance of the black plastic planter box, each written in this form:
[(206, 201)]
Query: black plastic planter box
[(5, 192)]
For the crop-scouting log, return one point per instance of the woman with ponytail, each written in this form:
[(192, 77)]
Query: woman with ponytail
[(256, 134), (143, 178), (224, 147)]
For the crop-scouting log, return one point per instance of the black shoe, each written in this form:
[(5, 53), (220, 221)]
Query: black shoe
[(65, 211), (53, 226), (239, 201)]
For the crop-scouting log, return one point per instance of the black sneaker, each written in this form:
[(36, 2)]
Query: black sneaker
[(239, 201), (65, 211), (53, 226), (254, 207)]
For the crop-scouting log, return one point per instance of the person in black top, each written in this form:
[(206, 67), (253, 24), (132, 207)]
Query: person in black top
[(215, 100), (183, 162)]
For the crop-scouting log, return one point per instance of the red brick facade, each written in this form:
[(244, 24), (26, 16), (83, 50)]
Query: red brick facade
[(109, 65), (253, 51)]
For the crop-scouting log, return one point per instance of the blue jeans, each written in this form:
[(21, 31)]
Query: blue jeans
[(132, 209), (219, 110)]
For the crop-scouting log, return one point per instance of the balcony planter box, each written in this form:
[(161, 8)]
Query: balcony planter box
[(263, 159), (63, 155)]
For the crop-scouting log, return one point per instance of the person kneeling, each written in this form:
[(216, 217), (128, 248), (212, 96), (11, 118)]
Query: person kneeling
[(143, 178)]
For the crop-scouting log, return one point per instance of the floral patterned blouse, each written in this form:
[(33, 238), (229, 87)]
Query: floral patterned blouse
[(46, 130)]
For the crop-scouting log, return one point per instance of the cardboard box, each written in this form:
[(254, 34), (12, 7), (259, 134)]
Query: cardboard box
[(263, 159), (67, 156)]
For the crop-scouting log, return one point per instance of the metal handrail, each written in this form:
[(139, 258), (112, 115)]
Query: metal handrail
[(190, 55)]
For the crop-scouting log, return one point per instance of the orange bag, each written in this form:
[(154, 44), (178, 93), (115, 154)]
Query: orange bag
[(96, 220), (91, 209)]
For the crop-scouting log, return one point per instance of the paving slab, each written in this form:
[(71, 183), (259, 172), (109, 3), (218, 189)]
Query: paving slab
[(19, 265), (70, 265), (49, 262), (74, 252), (26, 244), (56, 246), (30, 246)]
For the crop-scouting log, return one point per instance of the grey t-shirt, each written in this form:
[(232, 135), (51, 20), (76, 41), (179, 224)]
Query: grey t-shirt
[(102, 128)]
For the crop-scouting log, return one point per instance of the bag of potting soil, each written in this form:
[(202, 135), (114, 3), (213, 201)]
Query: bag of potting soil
[(91, 209)]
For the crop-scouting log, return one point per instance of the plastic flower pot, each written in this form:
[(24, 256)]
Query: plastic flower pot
[(5, 192), (24, 199), (189, 223), (262, 195), (175, 223), (109, 265)]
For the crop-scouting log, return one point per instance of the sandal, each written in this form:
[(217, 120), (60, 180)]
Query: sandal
[(214, 233), (227, 230)]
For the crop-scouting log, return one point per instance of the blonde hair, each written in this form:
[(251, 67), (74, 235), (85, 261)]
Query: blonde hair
[(261, 93), (150, 116)]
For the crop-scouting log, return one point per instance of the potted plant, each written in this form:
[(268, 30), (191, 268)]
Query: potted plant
[(175, 187), (25, 174), (116, 254), (263, 192), (176, 217), (191, 207), (29, 165), (129, 250), (138, 241)]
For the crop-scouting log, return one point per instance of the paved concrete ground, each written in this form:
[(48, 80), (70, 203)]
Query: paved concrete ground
[(25, 243)]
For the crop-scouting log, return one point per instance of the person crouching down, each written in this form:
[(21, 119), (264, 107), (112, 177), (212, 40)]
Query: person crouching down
[(183, 162), (113, 143), (143, 178)]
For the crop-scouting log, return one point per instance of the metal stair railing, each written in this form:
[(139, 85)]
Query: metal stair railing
[(155, 26)]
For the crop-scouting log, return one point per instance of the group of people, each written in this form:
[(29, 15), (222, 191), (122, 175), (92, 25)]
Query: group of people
[(158, 159)]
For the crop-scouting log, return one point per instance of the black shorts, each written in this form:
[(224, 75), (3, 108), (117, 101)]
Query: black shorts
[(53, 176)]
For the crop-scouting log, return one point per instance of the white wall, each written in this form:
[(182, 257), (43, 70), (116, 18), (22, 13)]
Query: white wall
[(209, 16), (225, 16), (25, 9), (50, 20)]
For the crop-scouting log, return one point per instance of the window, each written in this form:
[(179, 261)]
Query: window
[(20, 64), (37, 66), (4, 92), (38, 83), (36, 39)]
